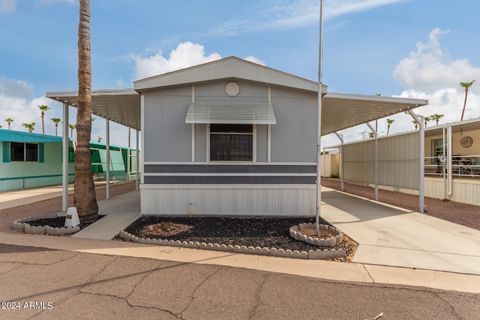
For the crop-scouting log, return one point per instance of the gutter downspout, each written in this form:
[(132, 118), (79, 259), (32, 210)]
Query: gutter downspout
[(375, 169), (342, 181)]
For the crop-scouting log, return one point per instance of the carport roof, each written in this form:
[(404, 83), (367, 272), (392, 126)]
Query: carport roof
[(340, 111)]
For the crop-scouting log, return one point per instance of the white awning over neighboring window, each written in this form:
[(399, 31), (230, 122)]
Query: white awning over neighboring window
[(230, 113)]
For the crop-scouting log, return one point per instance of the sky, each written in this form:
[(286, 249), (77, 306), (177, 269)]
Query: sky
[(408, 48)]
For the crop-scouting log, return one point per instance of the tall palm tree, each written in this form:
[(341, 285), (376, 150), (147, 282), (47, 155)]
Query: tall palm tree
[(9, 122), (56, 121), (43, 108), (415, 124), (72, 128), (466, 86), (84, 191), (30, 126), (99, 139), (436, 117), (389, 124)]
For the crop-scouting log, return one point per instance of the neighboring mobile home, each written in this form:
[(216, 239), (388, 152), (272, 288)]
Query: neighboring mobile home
[(31, 160), (231, 137)]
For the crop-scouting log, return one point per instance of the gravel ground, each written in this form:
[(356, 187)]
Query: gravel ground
[(256, 232), (464, 214), (7, 216), (58, 222)]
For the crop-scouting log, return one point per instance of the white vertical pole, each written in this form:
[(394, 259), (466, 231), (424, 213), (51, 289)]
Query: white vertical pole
[(128, 154), (421, 182), (65, 169), (449, 162), (444, 172), (342, 183), (193, 127), (269, 129), (376, 160), (137, 165), (107, 121), (318, 191)]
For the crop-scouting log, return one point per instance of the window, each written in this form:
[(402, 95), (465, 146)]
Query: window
[(23, 151), (231, 142)]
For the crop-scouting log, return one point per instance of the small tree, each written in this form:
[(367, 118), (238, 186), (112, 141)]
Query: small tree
[(389, 124), (43, 108), (466, 86), (99, 139), (427, 120), (56, 121), (415, 124), (436, 117), (9, 122), (30, 126), (72, 128)]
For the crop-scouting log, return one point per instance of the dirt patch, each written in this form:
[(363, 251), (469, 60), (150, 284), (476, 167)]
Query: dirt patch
[(312, 232), (58, 222), (164, 229)]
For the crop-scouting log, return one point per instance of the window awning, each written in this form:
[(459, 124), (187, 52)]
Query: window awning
[(230, 113)]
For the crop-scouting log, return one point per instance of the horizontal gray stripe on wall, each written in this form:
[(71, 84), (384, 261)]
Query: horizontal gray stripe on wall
[(229, 180), (212, 168)]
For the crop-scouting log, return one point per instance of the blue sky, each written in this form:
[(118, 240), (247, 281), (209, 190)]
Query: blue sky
[(370, 46)]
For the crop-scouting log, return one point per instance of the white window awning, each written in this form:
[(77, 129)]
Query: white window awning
[(230, 113)]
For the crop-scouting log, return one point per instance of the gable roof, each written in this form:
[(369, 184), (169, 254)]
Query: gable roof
[(226, 68)]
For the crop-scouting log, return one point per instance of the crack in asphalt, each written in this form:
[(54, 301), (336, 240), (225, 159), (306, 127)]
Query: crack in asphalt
[(192, 297), (258, 296), (42, 264), (452, 308)]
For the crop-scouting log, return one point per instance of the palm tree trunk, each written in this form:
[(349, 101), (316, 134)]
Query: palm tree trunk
[(56, 130), (43, 122), (84, 192), (464, 103)]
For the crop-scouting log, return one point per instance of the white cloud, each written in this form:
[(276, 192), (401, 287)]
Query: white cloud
[(7, 6), (290, 14), (429, 73), (185, 55), (255, 60), (429, 68)]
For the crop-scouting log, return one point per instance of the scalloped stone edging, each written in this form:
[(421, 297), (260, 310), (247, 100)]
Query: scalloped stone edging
[(311, 254), (22, 225), (330, 242)]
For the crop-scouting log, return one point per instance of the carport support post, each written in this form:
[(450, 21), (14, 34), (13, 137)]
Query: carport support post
[(421, 160), (318, 190), (375, 169), (65, 160), (137, 161), (342, 184), (107, 174)]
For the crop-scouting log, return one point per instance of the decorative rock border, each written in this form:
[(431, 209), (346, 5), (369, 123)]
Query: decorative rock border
[(311, 254), (23, 225), (330, 242)]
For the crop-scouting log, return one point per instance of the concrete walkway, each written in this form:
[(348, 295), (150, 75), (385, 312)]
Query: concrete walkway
[(392, 236), (120, 212), (17, 198)]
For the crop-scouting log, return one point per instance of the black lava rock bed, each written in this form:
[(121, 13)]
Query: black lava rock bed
[(58, 222), (256, 232)]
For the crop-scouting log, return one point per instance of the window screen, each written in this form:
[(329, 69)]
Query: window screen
[(231, 142), (31, 152), (17, 151)]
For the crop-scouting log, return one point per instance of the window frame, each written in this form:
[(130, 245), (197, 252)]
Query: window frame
[(254, 145), (25, 152)]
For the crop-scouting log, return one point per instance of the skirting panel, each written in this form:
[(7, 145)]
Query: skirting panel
[(231, 201)]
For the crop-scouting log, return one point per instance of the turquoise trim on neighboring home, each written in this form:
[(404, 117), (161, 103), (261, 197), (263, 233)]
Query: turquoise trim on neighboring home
[(19, 136)]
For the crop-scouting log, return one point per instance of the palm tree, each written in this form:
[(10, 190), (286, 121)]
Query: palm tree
[(436, 117), (416, 124), (466, 86), (72, 128), (389, 124), (30, 126), (427, 120), (84, 191), (43, 108), (56, 121), (9, 122), (99, 139)]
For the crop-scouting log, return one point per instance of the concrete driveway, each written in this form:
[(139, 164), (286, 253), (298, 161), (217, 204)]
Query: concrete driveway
[(91, 286), (392, 236)]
